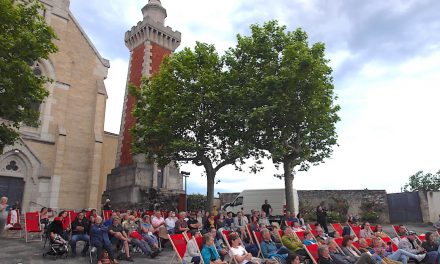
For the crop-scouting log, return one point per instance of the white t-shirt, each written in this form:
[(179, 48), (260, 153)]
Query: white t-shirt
[(239, 251), (170, 223)]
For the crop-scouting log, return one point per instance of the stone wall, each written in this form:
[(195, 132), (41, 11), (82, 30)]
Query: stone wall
[(430, 206), (353, 198)]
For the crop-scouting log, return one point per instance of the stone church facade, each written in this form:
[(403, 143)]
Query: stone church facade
[(62, 163)]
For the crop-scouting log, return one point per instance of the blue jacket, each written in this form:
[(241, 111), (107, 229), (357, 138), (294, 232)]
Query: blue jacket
[(209, 253), (268, 248), (99, 236)]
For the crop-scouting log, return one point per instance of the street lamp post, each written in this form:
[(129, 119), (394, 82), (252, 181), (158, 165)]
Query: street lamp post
[(186, 175)]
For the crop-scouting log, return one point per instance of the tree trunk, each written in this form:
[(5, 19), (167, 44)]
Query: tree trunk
[(210, 177), (288, 186)]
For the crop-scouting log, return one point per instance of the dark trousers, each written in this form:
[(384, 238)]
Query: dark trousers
[(195, 260)]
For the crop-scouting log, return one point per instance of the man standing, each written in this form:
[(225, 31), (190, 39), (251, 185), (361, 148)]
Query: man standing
[(267, 208)]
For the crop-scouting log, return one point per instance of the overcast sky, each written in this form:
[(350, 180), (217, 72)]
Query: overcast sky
[(386, 61)]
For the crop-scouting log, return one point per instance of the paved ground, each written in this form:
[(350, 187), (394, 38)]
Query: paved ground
[(14, 251)]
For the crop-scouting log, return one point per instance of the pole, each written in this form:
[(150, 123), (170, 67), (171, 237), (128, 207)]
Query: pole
[(186, 175)]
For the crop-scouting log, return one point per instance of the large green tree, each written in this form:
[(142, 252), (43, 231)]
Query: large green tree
[(421, 181), (24, 38), (187, 113), (290, 96)]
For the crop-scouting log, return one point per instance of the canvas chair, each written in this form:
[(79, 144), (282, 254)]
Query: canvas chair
[(179, 244), (32, 225), (300, 235), (393, 245), (312, 251), (16, 230), (337, 227), (356, 230)]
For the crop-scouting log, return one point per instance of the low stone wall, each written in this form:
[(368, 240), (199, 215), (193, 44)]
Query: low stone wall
[(350, 200)]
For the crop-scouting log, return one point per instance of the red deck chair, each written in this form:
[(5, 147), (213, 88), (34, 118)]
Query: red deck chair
[(258, 240), (199, 241), (179, 245), (339, 241), (32, 225), (88, 214), (312, 227), (337, 227), (187, 236), (300, 235), (248, 230), (312, 251), (71, 216), (288, 223), (373, 228), (107, 214), (314, 233), (16, 229), (356, 230), (356, 244)]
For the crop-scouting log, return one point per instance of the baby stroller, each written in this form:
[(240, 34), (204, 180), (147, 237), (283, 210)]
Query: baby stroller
[(58, 247)]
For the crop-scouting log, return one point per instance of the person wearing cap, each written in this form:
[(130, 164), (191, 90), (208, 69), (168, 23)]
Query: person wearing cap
[(409, 244), (107, 205)]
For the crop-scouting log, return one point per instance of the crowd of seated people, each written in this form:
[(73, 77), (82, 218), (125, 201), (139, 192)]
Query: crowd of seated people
[(126, 232)]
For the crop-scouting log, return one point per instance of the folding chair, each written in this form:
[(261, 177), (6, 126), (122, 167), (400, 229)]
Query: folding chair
[(187, 236), (225, 236), (258, 240), (71, 216), (373, 228), (107, 214), (16, 227), (312, 251), (300, 235), (248, 230), (32, 225), (356, 230), (280, 234), (179, 245), (311, 227), (288, 223), (337, 227), (198, 241)]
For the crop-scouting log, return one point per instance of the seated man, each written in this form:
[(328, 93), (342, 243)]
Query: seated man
[(229, 220), (340, 258), (409, 244), (240, 221), (292, 243), (131, 228), (400, 255), (80, 230), (269, 249), (157, 221), (321, 237), (324, 255), (364, 247), (193, 224), (264, 221), (118, 236), (401, 231), (99, 239), (147, 232), (366, 232)]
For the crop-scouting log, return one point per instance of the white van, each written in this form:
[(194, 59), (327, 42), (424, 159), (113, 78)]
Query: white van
[(253, 199)]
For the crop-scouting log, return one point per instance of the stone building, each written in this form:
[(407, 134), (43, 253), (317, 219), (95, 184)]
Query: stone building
[(60, 164), (134, 182)]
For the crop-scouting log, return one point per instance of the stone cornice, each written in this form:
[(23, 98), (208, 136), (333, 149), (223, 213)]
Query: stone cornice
[(149, 30)]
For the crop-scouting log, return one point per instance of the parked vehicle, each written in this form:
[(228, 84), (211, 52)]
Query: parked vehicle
[(253, 199)]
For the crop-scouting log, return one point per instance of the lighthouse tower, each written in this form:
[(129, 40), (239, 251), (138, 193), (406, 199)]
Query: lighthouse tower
[(134, 182)]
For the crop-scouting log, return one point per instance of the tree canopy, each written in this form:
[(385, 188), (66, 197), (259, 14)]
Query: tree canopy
[(25, 38), (421, 181), (290, 96), (186, 113)]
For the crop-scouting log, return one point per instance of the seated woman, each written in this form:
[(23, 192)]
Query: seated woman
[(347, 248), (209, 252), (117, 235), (147, 233), (263, 221), (45, 216), (366, 231), (364, 247), (431, 246), (379, 232), (60, 226), (239, 253), (308, 238), (209, 223), (296, 227), (99, 239), (253, 225), (192, 251), (131, 228)]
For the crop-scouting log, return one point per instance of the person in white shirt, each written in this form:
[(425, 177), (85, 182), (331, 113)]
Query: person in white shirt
[(192, 251), (157, 221), (170, 222), (240, 220), (366, 232), (263, 221), (239, 253)]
